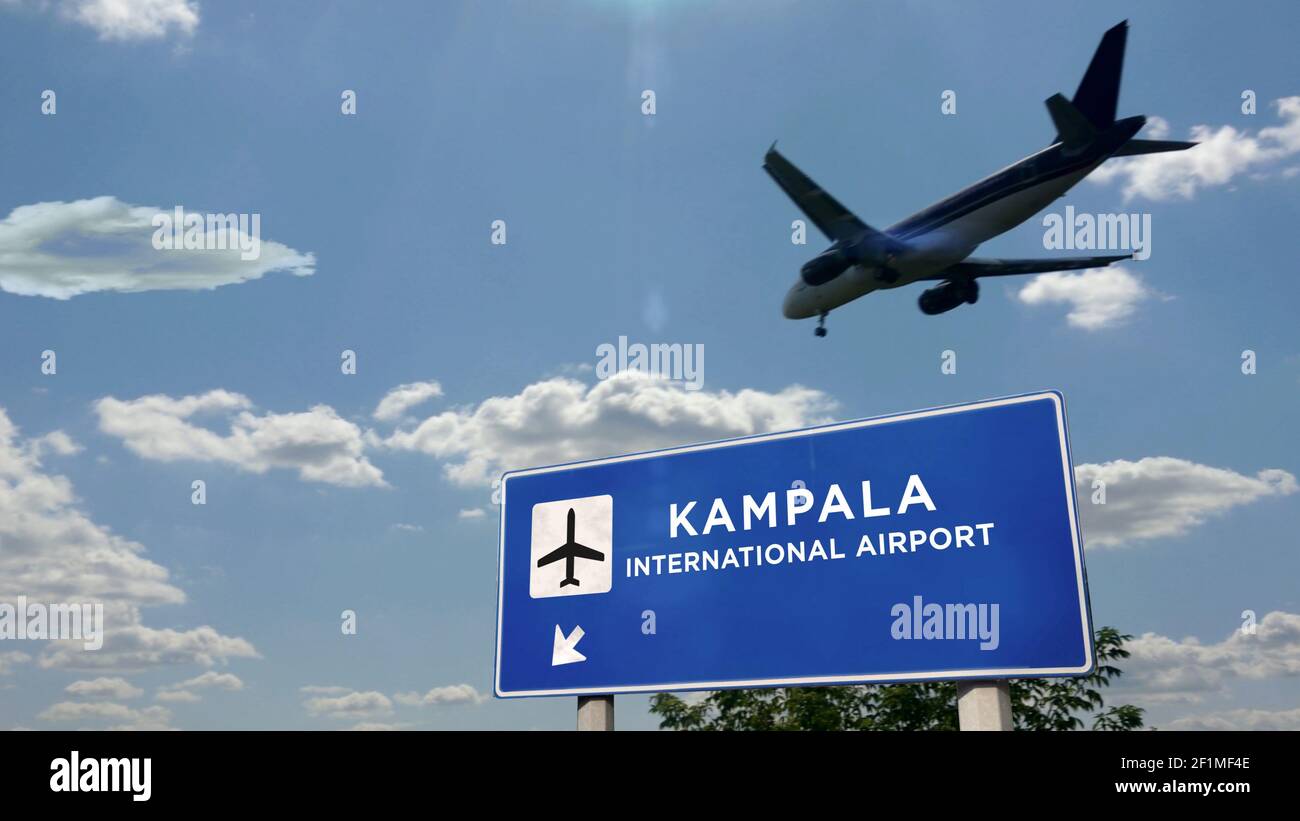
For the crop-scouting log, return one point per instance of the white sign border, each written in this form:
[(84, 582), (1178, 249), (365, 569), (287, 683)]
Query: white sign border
[(1081, 574)]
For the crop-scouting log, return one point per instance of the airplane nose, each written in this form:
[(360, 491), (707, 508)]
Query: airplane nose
[(787, 305), (795, 305)]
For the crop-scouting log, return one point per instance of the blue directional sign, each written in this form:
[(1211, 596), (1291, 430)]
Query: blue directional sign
[(938, 544)]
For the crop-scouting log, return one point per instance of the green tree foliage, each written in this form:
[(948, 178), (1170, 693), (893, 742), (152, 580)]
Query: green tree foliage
[(1036, 704)]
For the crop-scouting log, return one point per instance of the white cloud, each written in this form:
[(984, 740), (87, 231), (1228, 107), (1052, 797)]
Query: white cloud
[(321, 445), (133, 19), (352, 705), (451, 694), (62, 249), (1165, 669), (123, 20), (1242, 719), (1098, 297), (183, 691), (561, 420), (146, 718), (404, 397), (210, 679), (1223, 154), (323, 690), (107, 689), (11, 659), (408, 528), (1160, 496), (136, 647), (53, 553), (1157, 128), (376, 726), (472, 513), (56, 442), (145, 722)]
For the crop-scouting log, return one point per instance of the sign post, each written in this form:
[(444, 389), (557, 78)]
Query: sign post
[(934, 545), (595, 712), (984, 705)]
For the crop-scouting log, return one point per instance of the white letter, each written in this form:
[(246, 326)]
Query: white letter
[(791, 509), (719, 516), (605, 368), (832, 506), (910, 498), (142, 786), (676, 520), (60, 780), (869, 512), (768, 506)]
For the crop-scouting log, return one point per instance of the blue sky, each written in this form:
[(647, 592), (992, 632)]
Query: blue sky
[(660, 228)]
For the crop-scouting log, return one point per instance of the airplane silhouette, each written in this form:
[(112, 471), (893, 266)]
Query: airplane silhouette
[(569, 551)]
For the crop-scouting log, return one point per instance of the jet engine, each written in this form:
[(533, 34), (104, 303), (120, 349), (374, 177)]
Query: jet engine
[(827, 265), (948, 296), (841, 256)]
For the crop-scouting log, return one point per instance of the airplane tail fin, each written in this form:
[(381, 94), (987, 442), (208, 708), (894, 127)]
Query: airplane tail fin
[(1072, 126), (1098, 92), (568, 582)]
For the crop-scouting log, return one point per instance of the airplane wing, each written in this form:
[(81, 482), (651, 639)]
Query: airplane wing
[(584, 552), (975, 267), (553, 556), (834, 220)]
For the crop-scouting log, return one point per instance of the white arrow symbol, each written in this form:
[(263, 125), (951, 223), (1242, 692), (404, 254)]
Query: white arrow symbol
[(563, 652)]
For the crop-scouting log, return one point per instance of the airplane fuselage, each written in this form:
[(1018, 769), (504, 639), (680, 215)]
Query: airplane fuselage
[(947, 232)]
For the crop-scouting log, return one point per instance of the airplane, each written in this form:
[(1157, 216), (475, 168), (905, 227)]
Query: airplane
[(569, 551), (935, 244)]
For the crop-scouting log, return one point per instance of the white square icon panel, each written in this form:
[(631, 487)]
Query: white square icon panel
[(572, 547)]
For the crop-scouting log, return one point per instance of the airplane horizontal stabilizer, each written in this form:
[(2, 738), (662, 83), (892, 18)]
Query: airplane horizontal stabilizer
[(1072, 126), (1134, 147), (974, 267)]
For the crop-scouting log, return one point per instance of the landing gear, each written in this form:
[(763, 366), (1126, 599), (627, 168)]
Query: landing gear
[(821, 324)]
